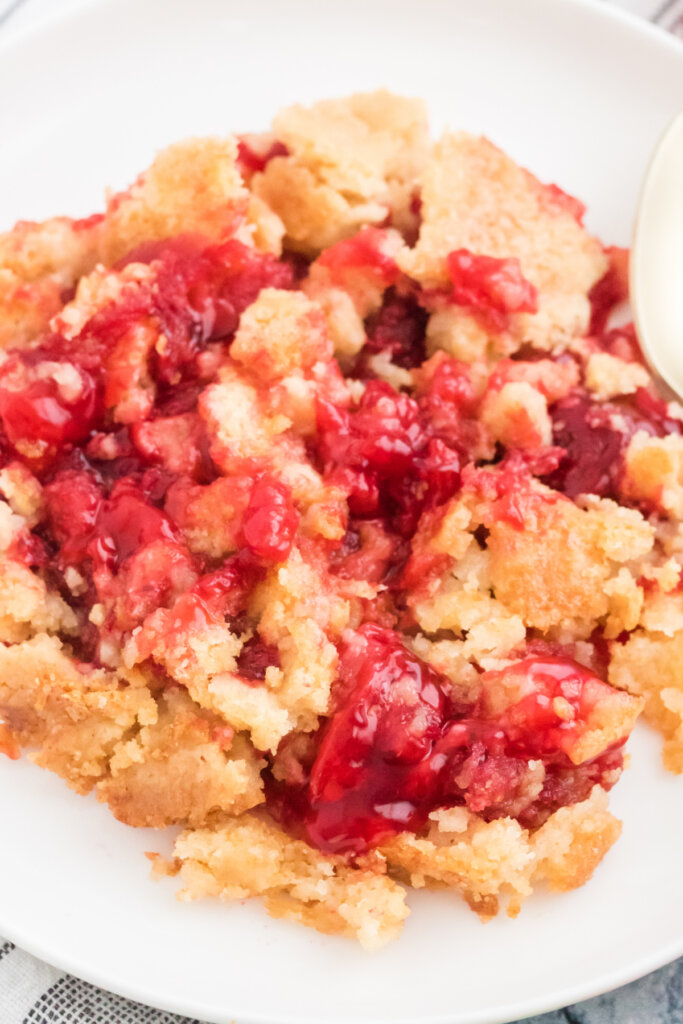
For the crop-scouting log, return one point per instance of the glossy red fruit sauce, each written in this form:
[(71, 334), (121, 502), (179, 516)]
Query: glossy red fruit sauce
[(398, 747), (493, 288), (270, 521), (107, 418), (34, 407), (398, 330), (593, 437), (54, 393), (556, 198), (214, 598), (105, 481), (254, 155), (363, 254), (255, 658), (395, 454), (610, 290)]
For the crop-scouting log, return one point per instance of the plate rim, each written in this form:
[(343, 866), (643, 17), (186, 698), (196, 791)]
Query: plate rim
[(515, 1013), (11, 35), (606, 10)]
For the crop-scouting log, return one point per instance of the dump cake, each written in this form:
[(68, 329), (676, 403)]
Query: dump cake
[(339, 527)]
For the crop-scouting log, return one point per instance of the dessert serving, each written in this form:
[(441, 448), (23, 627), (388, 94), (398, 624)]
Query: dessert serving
[(340, 526)]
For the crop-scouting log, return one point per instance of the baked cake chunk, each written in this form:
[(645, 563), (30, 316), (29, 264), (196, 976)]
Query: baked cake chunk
[(338, 526)]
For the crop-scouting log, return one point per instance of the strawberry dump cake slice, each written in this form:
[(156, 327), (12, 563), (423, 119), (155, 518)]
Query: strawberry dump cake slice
[(337, 527)]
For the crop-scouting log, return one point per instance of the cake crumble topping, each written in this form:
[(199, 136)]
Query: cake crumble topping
[(337, 525)]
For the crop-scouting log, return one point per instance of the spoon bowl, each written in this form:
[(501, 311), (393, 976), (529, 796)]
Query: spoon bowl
[(656, 266)]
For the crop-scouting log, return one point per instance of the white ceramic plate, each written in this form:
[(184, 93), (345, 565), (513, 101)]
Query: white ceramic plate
[(579, 94)]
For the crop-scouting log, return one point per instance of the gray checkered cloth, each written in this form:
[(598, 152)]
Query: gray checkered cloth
[(32, 992)]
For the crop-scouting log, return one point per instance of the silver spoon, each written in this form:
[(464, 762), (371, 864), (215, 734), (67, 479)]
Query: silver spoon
[(656, 264)]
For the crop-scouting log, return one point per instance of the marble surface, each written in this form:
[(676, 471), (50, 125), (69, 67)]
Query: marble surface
[(658, 998)]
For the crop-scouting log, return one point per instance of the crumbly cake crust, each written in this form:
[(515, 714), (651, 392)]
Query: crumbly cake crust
[(336, 525)]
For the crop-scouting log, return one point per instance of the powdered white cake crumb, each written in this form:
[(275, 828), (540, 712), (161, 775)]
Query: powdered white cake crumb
[(250, 856)]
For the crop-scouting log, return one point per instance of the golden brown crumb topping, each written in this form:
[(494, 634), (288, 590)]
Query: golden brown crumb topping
[(337, 526)]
